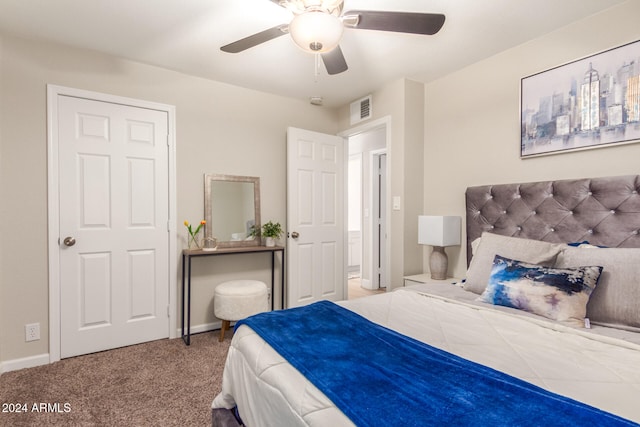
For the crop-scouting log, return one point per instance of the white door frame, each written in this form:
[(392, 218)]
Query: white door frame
[(386, 122), (53, 207), (381, 274)]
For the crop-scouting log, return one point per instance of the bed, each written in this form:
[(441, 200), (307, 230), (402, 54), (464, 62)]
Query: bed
[(545, 329)]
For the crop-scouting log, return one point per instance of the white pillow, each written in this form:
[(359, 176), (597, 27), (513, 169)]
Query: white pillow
[(474, 246), (616, 299), (526, 250)]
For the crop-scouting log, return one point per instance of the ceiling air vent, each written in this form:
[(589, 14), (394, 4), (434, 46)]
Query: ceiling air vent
[(361, 110)]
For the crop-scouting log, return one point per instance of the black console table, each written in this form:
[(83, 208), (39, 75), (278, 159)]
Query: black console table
[(188, 255)]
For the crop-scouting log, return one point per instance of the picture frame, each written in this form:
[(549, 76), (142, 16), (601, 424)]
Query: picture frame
[(592, 102)]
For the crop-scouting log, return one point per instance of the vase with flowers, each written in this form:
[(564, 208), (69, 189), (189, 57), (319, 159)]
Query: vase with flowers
[(192, 235)]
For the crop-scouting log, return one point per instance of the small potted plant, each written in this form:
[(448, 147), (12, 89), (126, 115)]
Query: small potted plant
[(271, 232), (253, 232)]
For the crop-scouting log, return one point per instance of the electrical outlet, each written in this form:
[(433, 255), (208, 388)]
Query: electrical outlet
[(32, 332)]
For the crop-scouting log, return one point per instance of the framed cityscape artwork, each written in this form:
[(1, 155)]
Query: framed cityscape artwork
[(589, 103)]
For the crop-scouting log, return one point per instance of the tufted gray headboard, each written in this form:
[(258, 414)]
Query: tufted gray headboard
[(602, 211)]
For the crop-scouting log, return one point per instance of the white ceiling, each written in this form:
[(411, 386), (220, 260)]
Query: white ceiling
[(185, 35)]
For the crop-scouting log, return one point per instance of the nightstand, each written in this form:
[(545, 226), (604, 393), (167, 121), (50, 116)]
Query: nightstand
[(426, 279)]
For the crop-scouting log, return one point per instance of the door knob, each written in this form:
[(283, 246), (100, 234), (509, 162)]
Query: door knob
[(295, 234), (69, 241)]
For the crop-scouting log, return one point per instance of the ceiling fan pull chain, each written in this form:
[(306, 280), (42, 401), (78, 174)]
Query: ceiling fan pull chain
[(316, 69)]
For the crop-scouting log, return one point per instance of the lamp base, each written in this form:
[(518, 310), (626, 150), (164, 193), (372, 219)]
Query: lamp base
[(438, 263)]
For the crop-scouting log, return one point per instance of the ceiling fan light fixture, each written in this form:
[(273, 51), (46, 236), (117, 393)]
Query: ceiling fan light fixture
[(316, 31), (334, 7)]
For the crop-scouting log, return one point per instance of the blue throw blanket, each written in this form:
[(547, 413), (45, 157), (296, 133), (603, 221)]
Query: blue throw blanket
[(378, 377)]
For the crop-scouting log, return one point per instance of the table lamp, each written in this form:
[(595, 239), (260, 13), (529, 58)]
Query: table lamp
[(439, 231)]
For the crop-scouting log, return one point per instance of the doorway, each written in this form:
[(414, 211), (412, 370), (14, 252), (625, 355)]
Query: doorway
[(367, 257)]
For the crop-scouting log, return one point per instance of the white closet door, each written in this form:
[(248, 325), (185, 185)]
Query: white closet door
[(114, 208)]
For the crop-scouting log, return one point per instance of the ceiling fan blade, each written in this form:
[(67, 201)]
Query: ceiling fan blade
[(280, 3), (334, 61), (255, 39), (400, 22)]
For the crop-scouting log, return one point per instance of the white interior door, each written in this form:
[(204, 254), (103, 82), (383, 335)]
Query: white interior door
[(380, 278), (315, 217), (114, 216)]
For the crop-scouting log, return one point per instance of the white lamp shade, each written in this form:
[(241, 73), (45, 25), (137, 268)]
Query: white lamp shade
[(439, 230), (315, 31)]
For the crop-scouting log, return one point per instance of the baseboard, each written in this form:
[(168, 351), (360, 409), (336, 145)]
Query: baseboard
[(43, 359), (366, 283), (206, 327), (25, 362)]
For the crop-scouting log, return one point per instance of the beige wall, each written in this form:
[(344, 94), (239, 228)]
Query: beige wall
[(220, 129), (402, 101), (464, 126), (472, 120), (413, 170)]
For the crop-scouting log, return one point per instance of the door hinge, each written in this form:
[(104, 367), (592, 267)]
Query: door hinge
[(169, 139), (168, 313)]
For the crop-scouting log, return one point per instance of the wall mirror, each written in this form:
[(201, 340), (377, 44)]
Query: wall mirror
[(232, 209)]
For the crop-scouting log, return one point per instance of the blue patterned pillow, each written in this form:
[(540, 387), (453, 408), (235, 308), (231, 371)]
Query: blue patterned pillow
[(557, 293)]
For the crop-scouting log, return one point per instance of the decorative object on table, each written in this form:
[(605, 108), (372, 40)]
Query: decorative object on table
[(589, 103), (209, 243), (439, 231), (271, 232), (192, 235), (254, 232)]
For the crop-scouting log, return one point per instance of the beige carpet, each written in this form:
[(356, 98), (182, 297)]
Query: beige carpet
[(161, 383)]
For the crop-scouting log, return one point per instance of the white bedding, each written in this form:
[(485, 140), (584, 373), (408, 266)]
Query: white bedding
[(596, 369)]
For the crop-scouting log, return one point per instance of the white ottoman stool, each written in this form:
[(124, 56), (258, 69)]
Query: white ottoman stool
[(237, 299)]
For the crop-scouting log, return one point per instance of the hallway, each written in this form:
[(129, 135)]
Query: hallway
[(357, 291)]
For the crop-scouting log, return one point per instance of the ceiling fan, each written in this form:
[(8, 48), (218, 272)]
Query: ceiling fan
[(317, 27)]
